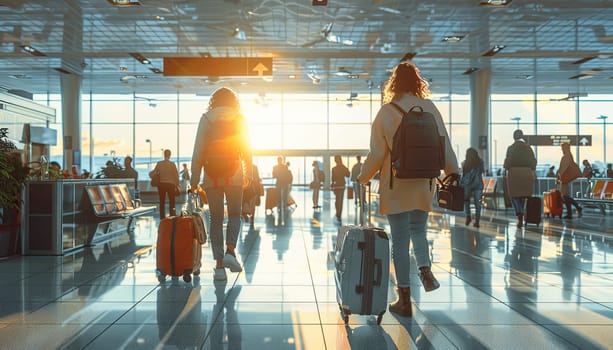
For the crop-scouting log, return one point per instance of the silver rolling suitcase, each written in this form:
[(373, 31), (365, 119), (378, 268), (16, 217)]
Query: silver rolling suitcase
[(362, 268)]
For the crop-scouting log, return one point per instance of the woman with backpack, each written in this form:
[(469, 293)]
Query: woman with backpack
[(221, 147), (408, 203), (472, 181)]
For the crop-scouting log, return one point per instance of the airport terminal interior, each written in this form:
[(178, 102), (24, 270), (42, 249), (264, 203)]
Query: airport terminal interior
[(87, 82)]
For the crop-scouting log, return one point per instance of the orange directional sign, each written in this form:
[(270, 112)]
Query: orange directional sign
[(217, 67)]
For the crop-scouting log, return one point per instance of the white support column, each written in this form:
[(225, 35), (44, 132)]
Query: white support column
[(480, 84), (71, 119)]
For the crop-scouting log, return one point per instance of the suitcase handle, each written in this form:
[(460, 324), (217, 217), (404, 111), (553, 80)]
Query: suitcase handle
[(379, 272), (362, 199), (193, 202)]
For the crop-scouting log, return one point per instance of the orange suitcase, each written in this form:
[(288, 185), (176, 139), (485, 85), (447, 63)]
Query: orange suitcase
[(552, 203), (178, 250)]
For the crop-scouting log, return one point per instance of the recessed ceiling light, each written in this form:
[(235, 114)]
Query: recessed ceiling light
[(239, 34), (470, 70), (124, 2), (140, 58), (160, 18), (20, 76), (494, 3), (585, 59), (156, 70), (342, 72), (32, 51), (453, 38), (389, 10), (581, 76), (494, 50), (123, 69), (524, 76)]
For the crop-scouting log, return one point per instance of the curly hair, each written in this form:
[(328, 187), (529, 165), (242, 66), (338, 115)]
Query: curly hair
[(405, 78), (224, 97)]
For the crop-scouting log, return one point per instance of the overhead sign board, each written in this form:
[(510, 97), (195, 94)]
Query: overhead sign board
[(557, 140), (217, 66)]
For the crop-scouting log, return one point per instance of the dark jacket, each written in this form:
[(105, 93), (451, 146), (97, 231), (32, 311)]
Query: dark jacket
[(520, 155)]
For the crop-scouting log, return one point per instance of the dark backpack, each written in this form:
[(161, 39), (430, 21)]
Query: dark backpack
[(222, 156), (418, 150)]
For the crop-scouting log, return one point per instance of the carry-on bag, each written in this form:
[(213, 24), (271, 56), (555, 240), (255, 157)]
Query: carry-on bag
[(178, 250), (362, 268), (271, 198), (552, 203), (534, 209), (196, 209)]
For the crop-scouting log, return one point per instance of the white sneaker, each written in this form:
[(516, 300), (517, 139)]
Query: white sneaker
[(220, 274), (232, 263)]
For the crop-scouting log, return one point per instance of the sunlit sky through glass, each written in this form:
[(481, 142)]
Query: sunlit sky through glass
[(279, 122)]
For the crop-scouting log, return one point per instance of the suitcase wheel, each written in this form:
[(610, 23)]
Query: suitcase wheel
[(380, 317), (187, 277), (160, 276), (344, 314)]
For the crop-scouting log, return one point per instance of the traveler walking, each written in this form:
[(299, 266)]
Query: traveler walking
[(408, 203), (221, 147), (472, 181), (169, 181), (520, 165)]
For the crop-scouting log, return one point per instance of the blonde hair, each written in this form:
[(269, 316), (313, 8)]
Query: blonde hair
[(405, 78)]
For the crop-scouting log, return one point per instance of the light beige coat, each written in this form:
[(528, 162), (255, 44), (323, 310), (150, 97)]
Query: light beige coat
[(407, 194)]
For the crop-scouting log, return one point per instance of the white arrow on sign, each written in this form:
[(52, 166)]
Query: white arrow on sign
[(260, 68), (584, 141)]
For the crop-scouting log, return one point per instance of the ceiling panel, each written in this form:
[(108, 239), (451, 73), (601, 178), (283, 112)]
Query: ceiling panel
[(93, 39)]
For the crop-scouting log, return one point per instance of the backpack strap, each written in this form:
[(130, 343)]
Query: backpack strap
[(403, 113), (399, 109)]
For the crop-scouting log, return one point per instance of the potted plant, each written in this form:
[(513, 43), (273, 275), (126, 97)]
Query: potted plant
[(13, 175)]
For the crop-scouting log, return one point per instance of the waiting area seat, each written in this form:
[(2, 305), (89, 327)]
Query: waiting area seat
[(114, 201), (489, 192), (600, 195)]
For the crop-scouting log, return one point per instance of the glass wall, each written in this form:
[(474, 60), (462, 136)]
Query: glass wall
[(313, 125)]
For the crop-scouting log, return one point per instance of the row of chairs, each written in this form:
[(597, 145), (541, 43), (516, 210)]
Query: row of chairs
[(114, 200)]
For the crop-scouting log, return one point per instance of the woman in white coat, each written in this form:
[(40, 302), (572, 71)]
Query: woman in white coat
[(408, 204)]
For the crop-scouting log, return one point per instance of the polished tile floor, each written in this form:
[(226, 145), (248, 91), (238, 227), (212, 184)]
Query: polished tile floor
[(547, 287)]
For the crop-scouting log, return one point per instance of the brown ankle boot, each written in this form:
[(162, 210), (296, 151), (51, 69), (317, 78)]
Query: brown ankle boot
[(427, 279), (520, 221), (402, 305)]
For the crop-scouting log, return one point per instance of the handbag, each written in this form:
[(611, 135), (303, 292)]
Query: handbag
[(155, 178), (450, 194), (572, 172)]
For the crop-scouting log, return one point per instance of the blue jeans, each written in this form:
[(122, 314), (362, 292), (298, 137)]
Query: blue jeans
[(475, 193), (519, 203), (234, 198), (408, 227), (282, 195)]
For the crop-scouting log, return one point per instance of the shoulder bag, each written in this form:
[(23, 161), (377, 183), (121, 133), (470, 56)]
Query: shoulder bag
[(450, 194), (155, 178)]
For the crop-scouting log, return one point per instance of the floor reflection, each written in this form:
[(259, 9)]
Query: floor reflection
[(533, 288)]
